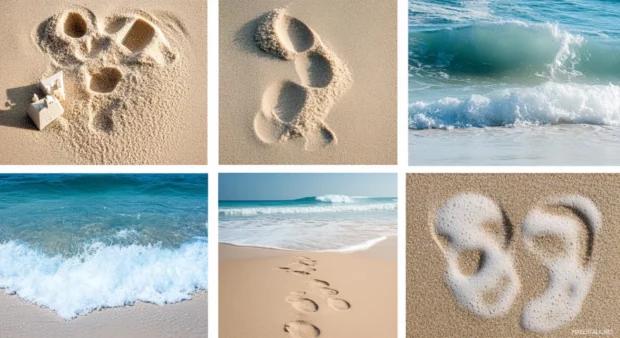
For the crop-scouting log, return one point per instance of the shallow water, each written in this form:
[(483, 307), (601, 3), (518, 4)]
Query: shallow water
[(543, 145)]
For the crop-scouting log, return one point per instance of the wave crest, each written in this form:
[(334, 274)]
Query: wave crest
[(335, 199), (509, 48)]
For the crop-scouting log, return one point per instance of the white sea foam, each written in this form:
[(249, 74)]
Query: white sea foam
[(126, 233), (335, 199), (308, 209), (462, 219), (548, 104), (103, 276), (569, 281)]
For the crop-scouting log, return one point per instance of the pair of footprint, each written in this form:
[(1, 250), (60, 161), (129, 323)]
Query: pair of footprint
[(290, 110), (551, 232), (98, 58), (300, 301)]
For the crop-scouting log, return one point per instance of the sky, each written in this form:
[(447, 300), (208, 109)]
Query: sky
[(235, 187)]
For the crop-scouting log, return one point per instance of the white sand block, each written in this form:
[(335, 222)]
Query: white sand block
[(45, 111), (54, 86)]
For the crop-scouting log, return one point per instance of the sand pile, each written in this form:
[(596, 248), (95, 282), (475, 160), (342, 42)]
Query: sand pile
[(289, 109), (125, 79)]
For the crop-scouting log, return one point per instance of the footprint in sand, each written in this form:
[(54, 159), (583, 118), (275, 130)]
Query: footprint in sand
[(338, 304), (318, 282), (103, 60), (561, 233), (301, 303), (301, 329), (290, 110), (305, 261), (474, 235)]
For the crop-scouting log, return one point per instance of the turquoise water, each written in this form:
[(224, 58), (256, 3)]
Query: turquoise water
[(483, 65), (319, 223), (75, 243)]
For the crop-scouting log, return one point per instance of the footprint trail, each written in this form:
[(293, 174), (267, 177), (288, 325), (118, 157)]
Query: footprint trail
[(291, 110)]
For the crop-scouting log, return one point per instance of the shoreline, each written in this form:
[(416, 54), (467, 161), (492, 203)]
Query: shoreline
[(186, 318), (256, 285), (374, 241)]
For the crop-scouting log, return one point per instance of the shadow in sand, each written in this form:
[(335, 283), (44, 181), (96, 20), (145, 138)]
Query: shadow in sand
[(245, 39), (14, 113)]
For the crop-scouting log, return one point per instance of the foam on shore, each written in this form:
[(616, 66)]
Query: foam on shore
[(103, 276)]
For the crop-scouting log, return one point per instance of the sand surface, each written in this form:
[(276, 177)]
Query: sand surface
[(183, 319), (309, 83), (259, 299), (135, 78), (432, 309)]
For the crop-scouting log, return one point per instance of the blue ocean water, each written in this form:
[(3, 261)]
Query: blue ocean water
[(76, 243), (319, 223), (513, 64)]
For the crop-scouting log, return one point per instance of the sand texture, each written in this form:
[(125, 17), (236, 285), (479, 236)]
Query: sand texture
[(135, 81), (511, 255), (184, 319), (276, 293), (301, 84)]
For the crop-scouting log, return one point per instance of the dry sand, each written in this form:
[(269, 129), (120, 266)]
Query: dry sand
[(307, 82), (183, 319), (432, 310), (135, 77), (264, 292)]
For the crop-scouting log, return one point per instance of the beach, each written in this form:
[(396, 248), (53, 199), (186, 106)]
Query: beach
[(184, 319), (135, 82), (256, 297), (539, 237), (84, 255), (321, 94)]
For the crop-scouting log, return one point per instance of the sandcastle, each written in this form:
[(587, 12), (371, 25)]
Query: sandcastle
[(45, 111)]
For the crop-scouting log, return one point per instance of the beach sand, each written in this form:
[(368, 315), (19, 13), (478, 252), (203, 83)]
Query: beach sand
[(135, 76), (183, 319), (432, 310), (258, 299), (320, 89)]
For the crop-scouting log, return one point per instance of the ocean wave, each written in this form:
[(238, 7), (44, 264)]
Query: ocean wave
[(510, 48), (548, 104), (103, 276), (308, 209), (335, 199)]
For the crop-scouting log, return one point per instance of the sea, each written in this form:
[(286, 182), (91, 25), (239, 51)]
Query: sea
[(329, 223), (78, 243), (514, 82)]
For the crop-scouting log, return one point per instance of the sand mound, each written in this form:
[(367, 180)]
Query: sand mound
[(125, 77), (291, 110)]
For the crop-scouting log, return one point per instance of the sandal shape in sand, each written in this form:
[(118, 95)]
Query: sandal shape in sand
[(468, 222), (291, 110), (561, 233)]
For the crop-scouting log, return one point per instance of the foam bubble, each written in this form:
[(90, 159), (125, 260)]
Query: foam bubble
[(103, 276), (569, 281), (461, 219)]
